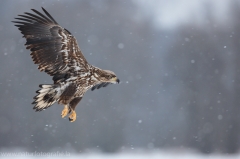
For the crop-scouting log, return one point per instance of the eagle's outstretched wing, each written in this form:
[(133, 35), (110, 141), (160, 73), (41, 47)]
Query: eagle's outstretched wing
[(52, 47)]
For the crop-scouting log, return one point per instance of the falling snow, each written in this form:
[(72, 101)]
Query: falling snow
[(178, 64), (120, 45)]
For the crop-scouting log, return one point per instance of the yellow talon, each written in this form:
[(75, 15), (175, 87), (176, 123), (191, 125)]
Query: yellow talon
[(65, 111), (72, 116)]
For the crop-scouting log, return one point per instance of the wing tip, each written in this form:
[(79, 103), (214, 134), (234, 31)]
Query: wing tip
[(43, 9), (49, 15)]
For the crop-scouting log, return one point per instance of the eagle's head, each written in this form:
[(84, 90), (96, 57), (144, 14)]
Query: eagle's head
[(109, 76)]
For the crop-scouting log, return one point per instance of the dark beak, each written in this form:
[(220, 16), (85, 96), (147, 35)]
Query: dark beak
[(117, 80)]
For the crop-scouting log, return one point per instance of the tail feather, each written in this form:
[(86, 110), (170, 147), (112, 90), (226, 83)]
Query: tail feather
[(47, 96)]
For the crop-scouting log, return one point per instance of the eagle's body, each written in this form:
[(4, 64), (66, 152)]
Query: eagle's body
[(56, 52)]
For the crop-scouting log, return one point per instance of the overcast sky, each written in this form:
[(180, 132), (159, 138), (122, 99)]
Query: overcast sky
[(172, 13)]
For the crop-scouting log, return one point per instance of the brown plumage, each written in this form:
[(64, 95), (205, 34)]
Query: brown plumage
[(55, 50)]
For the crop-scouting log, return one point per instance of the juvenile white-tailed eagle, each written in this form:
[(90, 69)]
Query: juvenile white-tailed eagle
[(55, 50)]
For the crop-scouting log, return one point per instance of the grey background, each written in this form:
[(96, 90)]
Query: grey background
[(178, 62)]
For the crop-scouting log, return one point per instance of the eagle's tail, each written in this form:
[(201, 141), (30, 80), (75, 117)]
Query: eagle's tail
[(47, 96)]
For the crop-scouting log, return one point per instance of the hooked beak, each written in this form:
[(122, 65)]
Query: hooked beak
[(115, 80)]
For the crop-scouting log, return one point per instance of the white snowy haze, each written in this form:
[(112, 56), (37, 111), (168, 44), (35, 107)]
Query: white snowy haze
[(178, 63), (176, 13)]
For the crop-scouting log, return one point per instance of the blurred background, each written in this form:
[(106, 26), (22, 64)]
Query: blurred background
[(179, 66)]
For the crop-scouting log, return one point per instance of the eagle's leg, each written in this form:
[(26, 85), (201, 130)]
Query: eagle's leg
[(72, 105), (73, 116), (65, 111)]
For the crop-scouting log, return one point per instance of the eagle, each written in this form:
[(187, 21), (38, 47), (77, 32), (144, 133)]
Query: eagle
[(55, 50)]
